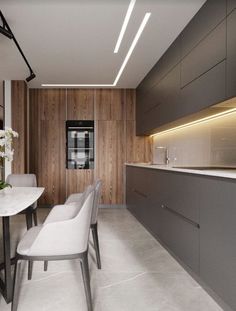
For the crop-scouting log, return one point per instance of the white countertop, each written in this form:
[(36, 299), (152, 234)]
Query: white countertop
[(225, 173), (16, 199)]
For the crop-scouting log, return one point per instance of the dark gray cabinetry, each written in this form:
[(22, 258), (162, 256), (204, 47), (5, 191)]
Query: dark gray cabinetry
[(202, 58), (208, 89), (165, 211), (195, 217), (207, 18), (231, 55), (164, 65), (217, 237), (161, 103), (231, 4), (208, 53)]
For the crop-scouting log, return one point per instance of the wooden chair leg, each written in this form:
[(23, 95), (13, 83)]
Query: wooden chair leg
[(30, 269)]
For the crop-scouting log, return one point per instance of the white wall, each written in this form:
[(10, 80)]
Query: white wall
[(7, 120), (211, 143)]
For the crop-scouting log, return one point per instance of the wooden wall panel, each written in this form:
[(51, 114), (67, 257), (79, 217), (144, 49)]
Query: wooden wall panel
[(110, 160), (138, 148), (78, 180), (19, 124), (109, 104), (115, 143), (47, 128), (80, 104)]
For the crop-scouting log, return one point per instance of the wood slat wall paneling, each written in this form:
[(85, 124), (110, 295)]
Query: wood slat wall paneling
[(110, 142), (50, 136), (115, 141), (80, 104), (19, 124)]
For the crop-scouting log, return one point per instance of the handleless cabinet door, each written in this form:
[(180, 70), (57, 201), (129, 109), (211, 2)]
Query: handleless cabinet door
[(206, 19), (217, 237), (231, 5), (208, 53), (231, 55), (205, 91)]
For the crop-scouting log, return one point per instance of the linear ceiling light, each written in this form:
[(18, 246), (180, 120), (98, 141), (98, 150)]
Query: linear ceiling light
[(136, 38), (124, 26), (199, 121)]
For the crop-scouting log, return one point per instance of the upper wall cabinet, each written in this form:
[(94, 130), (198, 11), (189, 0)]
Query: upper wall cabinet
[(231, 4), (205, 55), (165, 64), (197, 71), (208, 17), (231, 55)]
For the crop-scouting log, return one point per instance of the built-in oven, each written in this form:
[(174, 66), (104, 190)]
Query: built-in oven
[(79, 144)]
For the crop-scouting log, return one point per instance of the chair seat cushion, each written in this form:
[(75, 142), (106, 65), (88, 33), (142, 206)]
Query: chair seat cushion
[(28, 239)]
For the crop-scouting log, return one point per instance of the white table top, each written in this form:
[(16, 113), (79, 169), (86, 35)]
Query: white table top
[(16, 199)]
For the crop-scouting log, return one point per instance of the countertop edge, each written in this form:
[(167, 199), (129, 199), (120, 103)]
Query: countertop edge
[(214, 173)]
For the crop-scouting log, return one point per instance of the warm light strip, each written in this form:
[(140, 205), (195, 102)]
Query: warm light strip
[(203, 120), (124, 26), (136, 38)]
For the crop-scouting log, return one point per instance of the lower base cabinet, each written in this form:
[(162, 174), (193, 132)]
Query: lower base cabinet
[(195, 217)]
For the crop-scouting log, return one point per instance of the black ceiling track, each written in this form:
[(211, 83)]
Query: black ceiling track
[(6, 31)]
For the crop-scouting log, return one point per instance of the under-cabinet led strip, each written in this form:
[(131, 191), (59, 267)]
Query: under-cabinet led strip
[(202, 120)]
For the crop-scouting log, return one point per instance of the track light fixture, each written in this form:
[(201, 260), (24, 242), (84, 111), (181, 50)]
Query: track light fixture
[(6, 31)]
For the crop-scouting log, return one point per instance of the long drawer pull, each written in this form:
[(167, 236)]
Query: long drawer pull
[(140, 193), (195, 224)]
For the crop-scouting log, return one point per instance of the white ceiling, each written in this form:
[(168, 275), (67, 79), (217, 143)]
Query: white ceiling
[(72, 41)]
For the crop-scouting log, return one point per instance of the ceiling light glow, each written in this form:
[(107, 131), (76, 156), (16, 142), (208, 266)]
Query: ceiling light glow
[(135, 41), (124, 26)]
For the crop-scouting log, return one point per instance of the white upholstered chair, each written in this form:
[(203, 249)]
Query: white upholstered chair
[(76, 197), (63, 236), (25, 180)]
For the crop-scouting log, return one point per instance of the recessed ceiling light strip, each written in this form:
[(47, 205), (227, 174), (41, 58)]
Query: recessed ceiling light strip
[(124, 26), (136, 38)]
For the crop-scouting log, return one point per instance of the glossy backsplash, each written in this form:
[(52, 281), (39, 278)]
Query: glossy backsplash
[(204, 144)]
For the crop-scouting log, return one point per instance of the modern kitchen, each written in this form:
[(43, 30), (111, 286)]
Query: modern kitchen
[(118, 151)]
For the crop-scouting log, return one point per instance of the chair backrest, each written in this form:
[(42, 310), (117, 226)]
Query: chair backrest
[(97, 196), (22, 180), (65, 237)]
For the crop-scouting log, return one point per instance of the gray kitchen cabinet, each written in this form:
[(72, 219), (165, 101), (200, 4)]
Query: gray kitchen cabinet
[(231, 5), (169, 60), (217, 237), (205, 91), (165, 211), (231, 56), (208, 53), (195, 217), (162, 103), (194, 73), (206, 19)]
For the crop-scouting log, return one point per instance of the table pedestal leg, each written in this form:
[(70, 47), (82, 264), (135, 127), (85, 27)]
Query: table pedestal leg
[(7, 259)]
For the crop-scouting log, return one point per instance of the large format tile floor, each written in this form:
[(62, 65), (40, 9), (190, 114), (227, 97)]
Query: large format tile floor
[(137, 274)]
